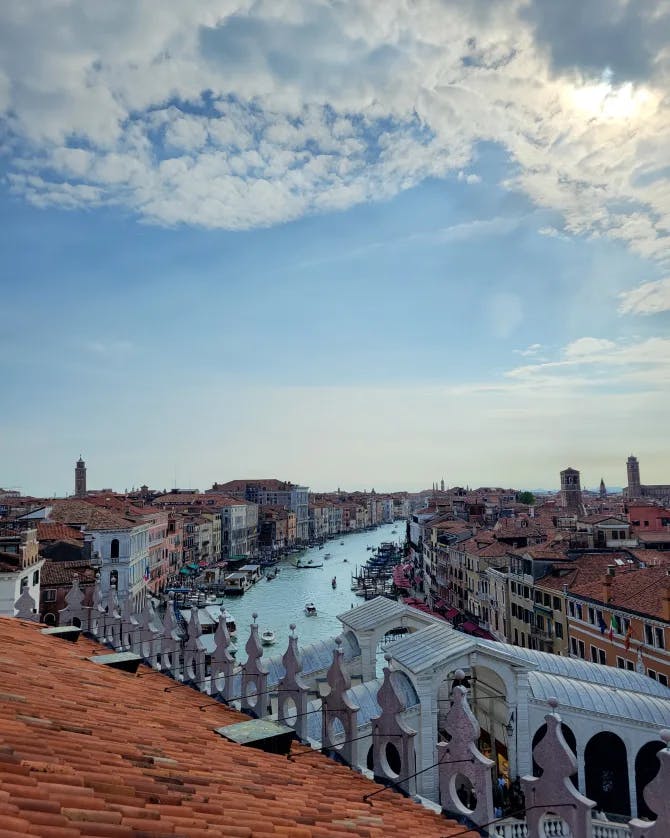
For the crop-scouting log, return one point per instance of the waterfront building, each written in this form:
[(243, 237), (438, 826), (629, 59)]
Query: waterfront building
[(20, 567), (272, 492)]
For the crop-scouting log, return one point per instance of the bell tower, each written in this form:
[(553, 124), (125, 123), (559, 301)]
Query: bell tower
[(80, 478), (633, 473), (571, 491)]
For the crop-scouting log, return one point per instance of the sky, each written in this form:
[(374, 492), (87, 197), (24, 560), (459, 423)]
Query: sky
[(354, 244)]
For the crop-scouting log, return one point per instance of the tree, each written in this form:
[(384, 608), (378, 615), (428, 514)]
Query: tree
[(526, 497)]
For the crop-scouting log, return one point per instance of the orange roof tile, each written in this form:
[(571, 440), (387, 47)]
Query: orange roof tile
[(86, 750)]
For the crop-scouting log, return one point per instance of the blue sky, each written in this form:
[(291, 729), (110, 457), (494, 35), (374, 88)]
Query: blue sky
[(340, 245)]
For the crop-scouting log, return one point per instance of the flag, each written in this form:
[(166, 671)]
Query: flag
[(601, 623), (629, 634), (146, 574), (614, 626)]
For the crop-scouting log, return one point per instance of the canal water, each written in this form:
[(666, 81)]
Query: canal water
[(281, 601)]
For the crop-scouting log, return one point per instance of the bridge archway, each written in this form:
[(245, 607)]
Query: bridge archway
[(606, 773)]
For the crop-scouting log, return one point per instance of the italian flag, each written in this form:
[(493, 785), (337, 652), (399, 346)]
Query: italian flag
[(614, 626)]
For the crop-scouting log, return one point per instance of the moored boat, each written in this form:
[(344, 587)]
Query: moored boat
[(268, 637), (310, 609)]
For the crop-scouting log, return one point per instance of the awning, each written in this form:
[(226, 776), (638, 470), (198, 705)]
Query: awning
[(184, 571), (469, 627), (451, 613)]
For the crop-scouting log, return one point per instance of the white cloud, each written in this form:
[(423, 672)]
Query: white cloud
[(648, 298), (268, 111), (585, 348), (529, 351)]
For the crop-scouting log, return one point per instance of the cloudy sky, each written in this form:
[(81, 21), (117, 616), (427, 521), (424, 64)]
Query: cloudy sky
[(347, 243)]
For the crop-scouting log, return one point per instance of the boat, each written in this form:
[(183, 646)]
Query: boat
[(341, 543), (328, 556), (309, 563), (334, 582), (321, 546), (310, 609), (210, 599), (268, 637), (230, 621), (345, 560)]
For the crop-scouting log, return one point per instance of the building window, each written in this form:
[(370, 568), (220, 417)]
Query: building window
[(620, 663), (24, 583), (662, 679), (594, 654), (651, 673), (579, 612), (582, 649), (630, 666), (658, 638), (547, 600), (602, 657), (557, 604), (36, 577), (573, 646), (114, 549), (571, 609), (558, 628), (50, 595)]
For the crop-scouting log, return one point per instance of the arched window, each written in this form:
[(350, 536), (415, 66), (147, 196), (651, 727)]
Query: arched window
[(606, 773), (114, 550)]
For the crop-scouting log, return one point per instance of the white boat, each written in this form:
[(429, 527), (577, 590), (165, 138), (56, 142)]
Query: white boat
[(230, 621), (310, 609), (268, 637)]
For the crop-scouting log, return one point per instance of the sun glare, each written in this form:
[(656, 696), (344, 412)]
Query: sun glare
[(606, 101)]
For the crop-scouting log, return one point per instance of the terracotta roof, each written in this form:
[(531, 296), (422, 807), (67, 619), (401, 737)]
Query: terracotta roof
[(61, 573), (76, 760), (91, 516), (57, 532)]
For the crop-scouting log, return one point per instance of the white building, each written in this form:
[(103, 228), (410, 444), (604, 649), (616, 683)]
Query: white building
[(20, 567)]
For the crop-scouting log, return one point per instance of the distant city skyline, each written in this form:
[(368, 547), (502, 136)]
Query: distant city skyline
[(355, 243)]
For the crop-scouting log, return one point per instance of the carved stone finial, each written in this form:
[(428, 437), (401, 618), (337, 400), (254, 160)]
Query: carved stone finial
[(388, 657), (291, 691), (552, 702), (461, 756), (25, 607), (223, 662), (391, 737), (459, 675), (339, 710), (553, 791), (255, 616), (657, 796), (254, 676)]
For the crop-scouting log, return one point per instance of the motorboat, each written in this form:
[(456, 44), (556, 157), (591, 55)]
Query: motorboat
[(327, 555), (230, 621), (341, 543), (268, 637), (310, 609)]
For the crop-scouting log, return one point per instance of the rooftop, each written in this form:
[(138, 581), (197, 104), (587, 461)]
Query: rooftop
[(74, 760)]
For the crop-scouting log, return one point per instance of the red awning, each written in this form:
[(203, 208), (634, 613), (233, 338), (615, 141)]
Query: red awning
[(469, 627), (451, 613), (485, 635)]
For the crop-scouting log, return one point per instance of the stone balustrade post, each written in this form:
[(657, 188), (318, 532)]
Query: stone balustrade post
[(553, 793), (390, 735), (338, 710), (460, 757), (25, 607), (194, 651), (223, 663), (254, 691), (292, 691), (657, 796)]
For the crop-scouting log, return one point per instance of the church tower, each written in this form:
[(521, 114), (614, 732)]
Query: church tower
[(571, 491), (603, 490), (633, 472), (80, 478)]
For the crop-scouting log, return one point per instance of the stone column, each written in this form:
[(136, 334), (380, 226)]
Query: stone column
[(368, 643), (427, 781), (632, 789), (521, 736)]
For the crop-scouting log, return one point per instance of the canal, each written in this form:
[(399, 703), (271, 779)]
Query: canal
[(281, 601)]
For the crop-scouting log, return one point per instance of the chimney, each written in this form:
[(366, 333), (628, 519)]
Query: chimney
[(607, 584)]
